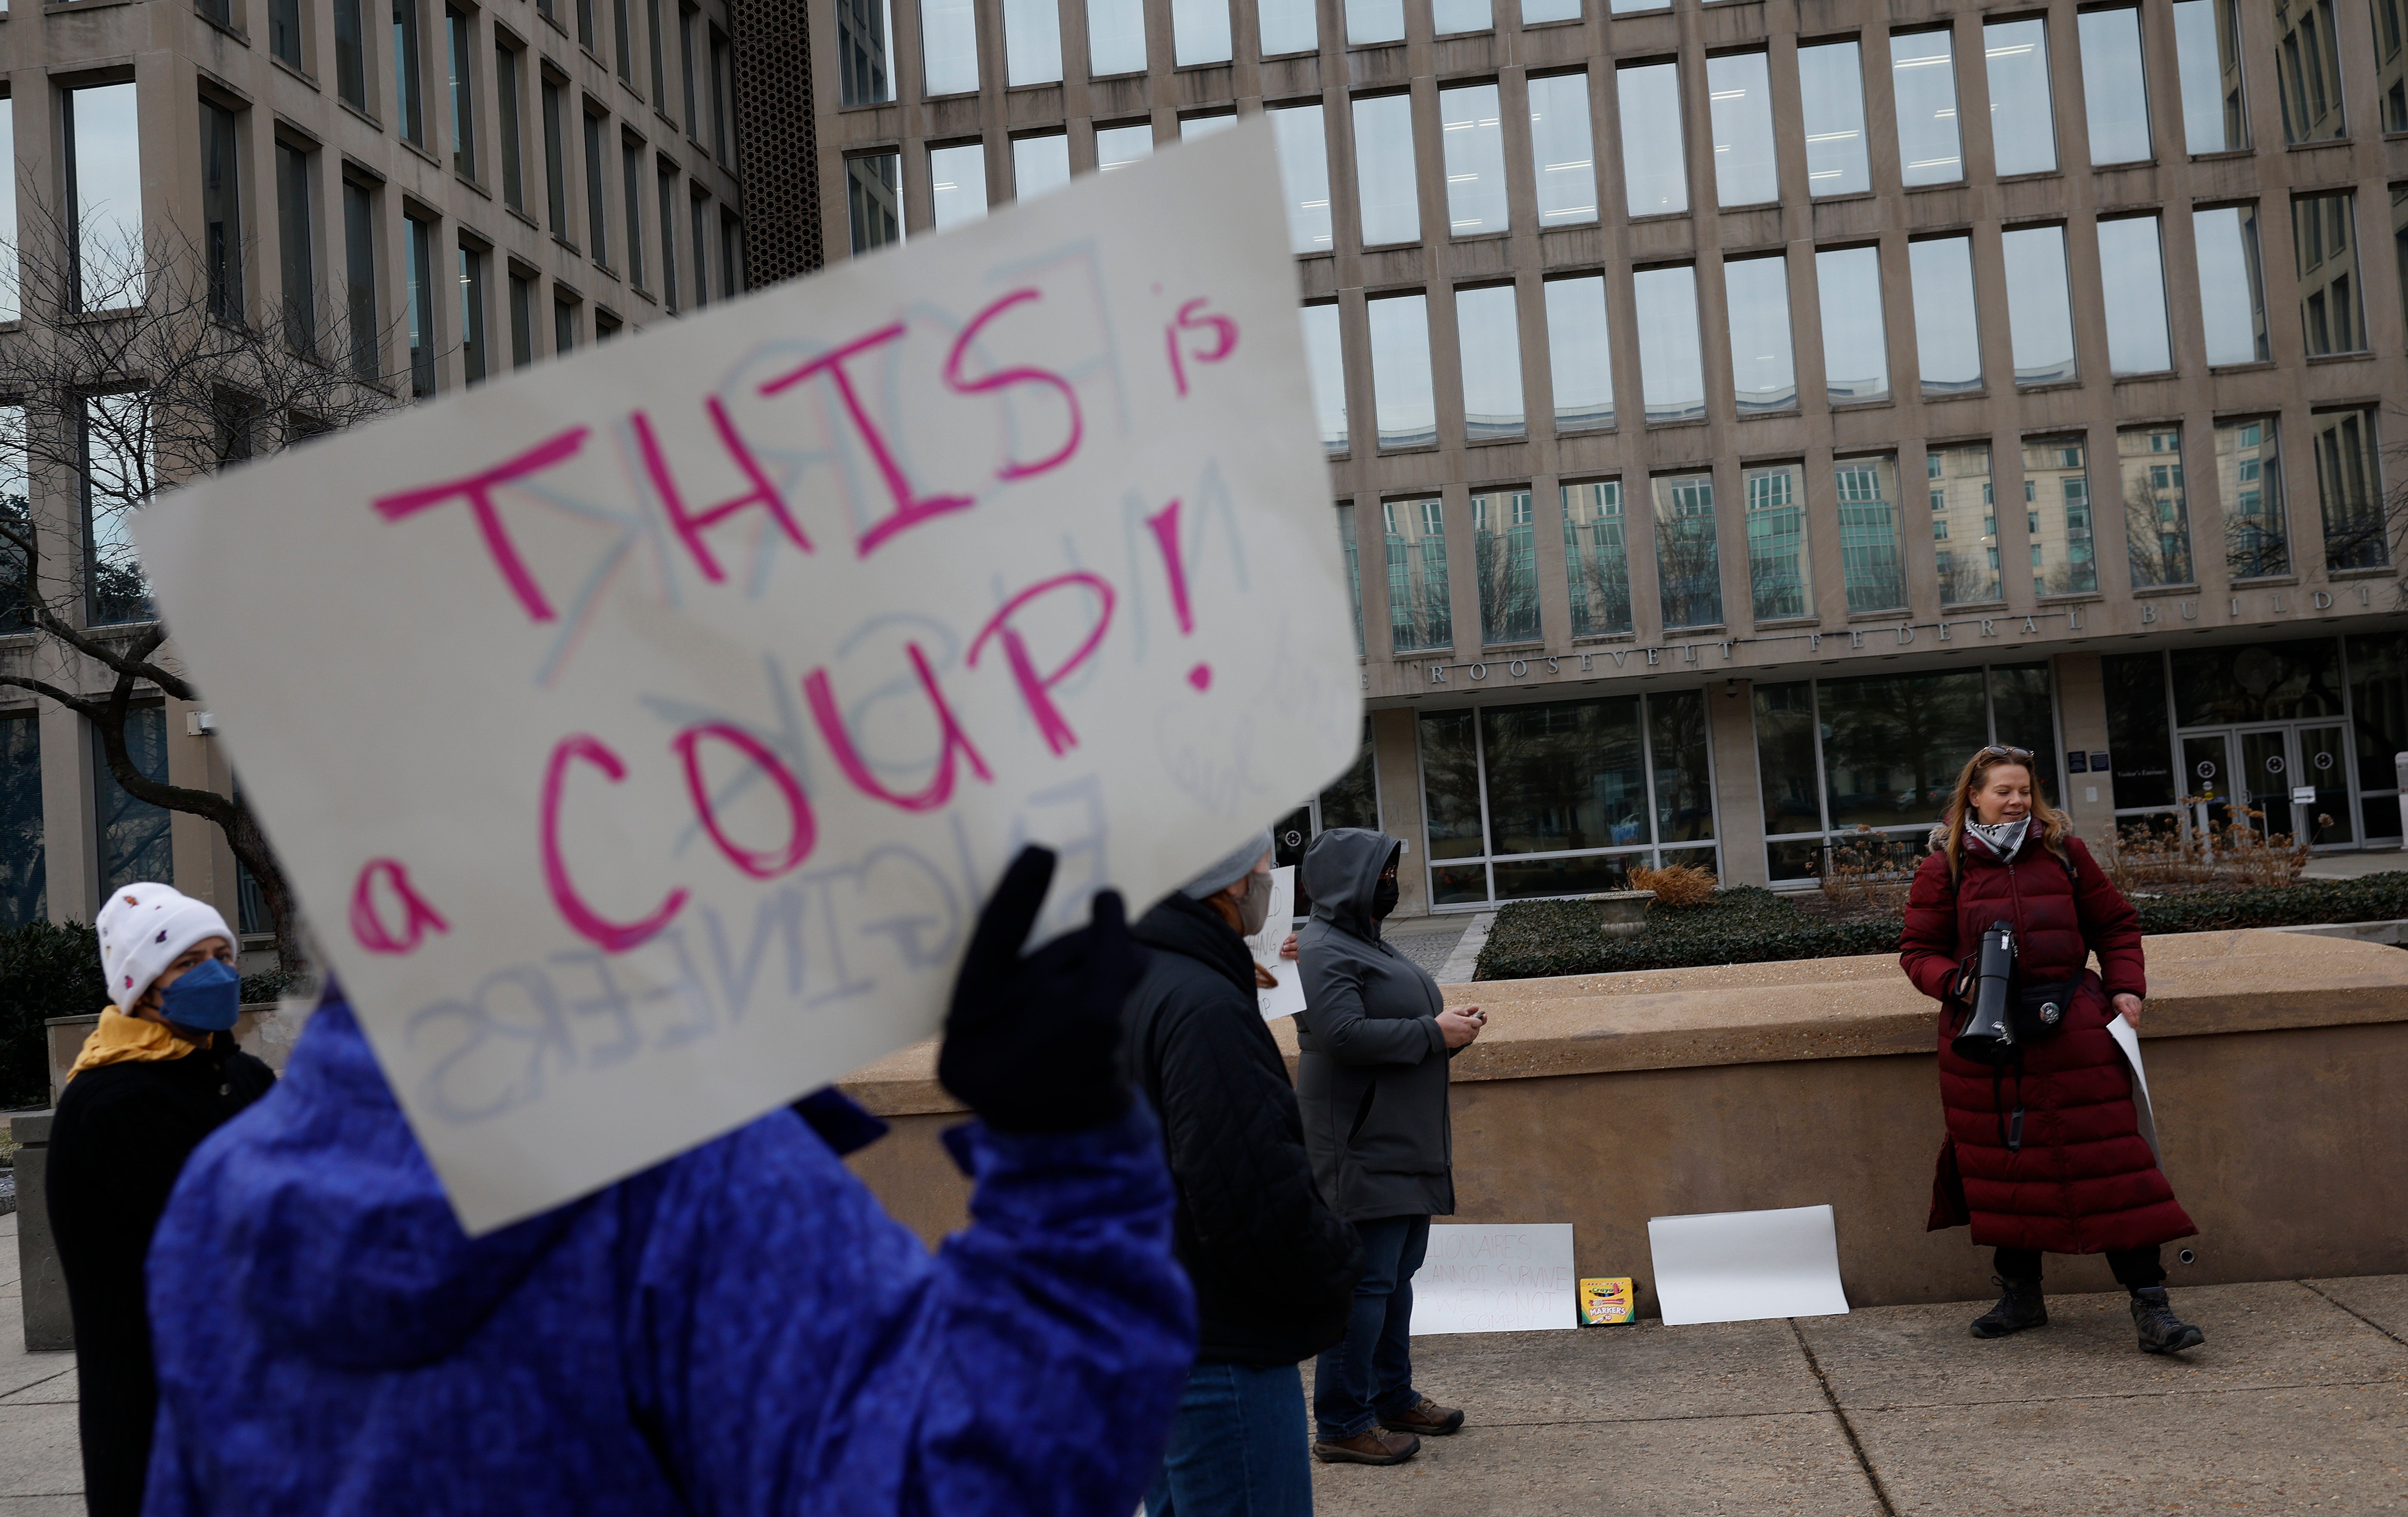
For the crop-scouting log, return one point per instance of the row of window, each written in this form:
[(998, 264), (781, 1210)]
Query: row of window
[(130, 837)]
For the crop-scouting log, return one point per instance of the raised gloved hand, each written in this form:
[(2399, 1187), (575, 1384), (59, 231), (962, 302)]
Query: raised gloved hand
[(1032, 1044)]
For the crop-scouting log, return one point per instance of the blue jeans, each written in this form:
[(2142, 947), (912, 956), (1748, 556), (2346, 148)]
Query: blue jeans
[(1237, 1447), (1371, 1372)]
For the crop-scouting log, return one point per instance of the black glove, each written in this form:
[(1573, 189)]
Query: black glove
[(1032, 1044)]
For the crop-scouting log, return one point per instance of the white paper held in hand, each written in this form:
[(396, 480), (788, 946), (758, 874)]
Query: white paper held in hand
[(1287, 998), (1746, 1266), (643, 731)]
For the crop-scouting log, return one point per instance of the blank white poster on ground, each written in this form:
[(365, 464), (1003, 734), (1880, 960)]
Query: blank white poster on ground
[(1747, 1266), (1495, 1278), (1287, 998)]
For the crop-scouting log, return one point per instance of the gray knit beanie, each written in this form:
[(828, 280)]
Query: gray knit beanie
[(1229, 870)]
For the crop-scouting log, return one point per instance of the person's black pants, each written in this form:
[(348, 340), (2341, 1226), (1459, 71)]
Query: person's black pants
[(2135, 1268)]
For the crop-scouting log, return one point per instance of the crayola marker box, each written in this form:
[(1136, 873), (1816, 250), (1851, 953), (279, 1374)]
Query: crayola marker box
[(1605, 1301)]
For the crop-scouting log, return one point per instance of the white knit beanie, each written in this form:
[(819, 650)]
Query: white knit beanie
[(144, 929)]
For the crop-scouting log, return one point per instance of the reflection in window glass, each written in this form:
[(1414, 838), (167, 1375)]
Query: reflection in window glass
[(2322, 230), (2349, 490), (2249, 481), (1654, 173), (1374, 21), (2207, 54), (2232, 293), (2137, 733), (2022, 713), (1402, 398), (2039, 308), (1324, 353), (1489, 336), (1383, 170), (1740, 91), (1562, 776), (1117, 146), (1868, 550), (1418, 618), (1032, 41), (1561, 148), (1947, 338), (1596, 559), (1785, 763), (1855, 337), (1776, 542), (1039, 164), (1892, 744), (1505, 556), (1580, 356), (2023, 120), (2307, 72), (104, 189), (1688, 563), (1678, 750), (1535, 12), (222, 245), (957, 177), (114, 481), (1923, 75), (2057, 510), (134, 834), (1763, 374), (1964, 525), (1199, 32), (1452, 16), (1115, 36), (2157, 510), (1832, 87), (1354, 551), (1471, 138), (948, 45), (2114, 87), (22, 883), (2391, 79), (1304, 175), (874, 200), (1671, 376), (1450, 755), (1289, 26)]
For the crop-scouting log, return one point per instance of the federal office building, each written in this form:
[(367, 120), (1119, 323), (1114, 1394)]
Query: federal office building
[(1738, 412)]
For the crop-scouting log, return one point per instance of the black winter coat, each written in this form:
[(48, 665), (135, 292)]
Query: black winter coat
[(1273, 1267), (121, 1138)]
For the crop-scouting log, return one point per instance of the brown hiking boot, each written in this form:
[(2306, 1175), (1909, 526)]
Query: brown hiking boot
[(1368, 1447), (1425, 1417)]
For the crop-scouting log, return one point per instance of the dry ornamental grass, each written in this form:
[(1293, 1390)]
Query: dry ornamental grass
[(1680, 884)]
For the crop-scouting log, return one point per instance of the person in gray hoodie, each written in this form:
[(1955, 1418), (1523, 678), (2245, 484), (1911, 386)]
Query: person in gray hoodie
[(1374, 1039)]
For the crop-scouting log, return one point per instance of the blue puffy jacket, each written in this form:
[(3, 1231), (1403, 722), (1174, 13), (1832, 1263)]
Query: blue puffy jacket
[(738, 1330)]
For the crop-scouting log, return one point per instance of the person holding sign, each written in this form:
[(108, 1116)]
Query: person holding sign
[(1374, 1039), (1273, 1267), (736, 1331)]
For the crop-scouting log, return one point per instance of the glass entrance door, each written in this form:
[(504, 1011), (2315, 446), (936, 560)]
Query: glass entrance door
[(2324, 766), (2207, 773), (2263, 783)]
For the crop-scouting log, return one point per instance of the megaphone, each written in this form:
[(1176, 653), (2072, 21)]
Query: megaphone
[(1988, 1036)]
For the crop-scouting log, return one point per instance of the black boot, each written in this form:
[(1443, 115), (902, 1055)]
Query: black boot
[(2019, 1308), (2161, 1331)]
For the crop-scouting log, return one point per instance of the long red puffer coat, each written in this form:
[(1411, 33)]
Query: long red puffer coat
[(2083, 1179)]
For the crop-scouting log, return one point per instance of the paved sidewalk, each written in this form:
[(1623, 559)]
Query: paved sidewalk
[(41, 1463)]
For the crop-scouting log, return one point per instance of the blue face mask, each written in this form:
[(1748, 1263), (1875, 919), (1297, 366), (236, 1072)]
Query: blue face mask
[(207, 997)]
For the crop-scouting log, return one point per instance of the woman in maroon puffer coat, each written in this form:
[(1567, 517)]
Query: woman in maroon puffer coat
[(2044, 1154)]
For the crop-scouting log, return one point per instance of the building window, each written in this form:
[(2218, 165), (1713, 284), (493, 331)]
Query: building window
[(626, 46), (115, 479), (2157, 510), (1779, 584), (1855, 334), (1452, 17), (660, 56), (1580, 354), (864, 76), (1964, 516), (1596, 559), (419, 236), (1672, 372), (22, 889), (1199, 32), (1348, 546), (103, 159), (1563, 150), (631, 187), (2207, 54), (874, 198), (472, 314), (1738, 89), (2022, 116), (597, 225), (948, 47), (134, 835), (297, 237), (1419, 618), (585, 25), (220, 214), (522, 319), (284, 32), (1756, 292), (1383, 170), (1655, 170), (2307, 70), (513, 147), (1039, 165), (1688, 561), (351, 55), (731, 255), (1304, 175), (1115, 38), (407, 61), (1565, 797), (1288, 26), (1948, 337), (1472, 139), (957, 180), (1831, 89), (1032, 41), (1869, 561), (1539, 12), (564, 325), (688, 19), (1488, 334), (723, 141), (2114, 86), (1505, 556), (2057, 504), (2321, 228), (1117, 146), (2349, 490), (1369, 21), (1923, 75), (606, 326), (2039, 306), (699, 206), (1401, 395), (360, 283), (2249, 481), (2390, 21), (1325, 356), (463, 35), (665, 180), (2231, 292)]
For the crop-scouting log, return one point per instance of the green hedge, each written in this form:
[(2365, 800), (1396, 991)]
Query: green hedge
[(45, 972), (1749, 925)]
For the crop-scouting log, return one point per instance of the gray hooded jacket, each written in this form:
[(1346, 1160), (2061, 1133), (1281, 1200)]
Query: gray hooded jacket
[(1371, 1072)]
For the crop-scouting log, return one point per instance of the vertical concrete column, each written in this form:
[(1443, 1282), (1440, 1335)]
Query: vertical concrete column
[(1739, 812), (70, 862), (2082, 716), (204, 864), (1396, 759)]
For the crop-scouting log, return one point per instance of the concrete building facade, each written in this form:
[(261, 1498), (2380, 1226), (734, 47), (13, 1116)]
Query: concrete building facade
[(1738, 412)]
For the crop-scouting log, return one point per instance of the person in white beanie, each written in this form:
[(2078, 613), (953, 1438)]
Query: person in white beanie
[(158, 1074)]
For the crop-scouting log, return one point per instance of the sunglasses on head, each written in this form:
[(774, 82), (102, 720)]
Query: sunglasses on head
[(2003, 750)]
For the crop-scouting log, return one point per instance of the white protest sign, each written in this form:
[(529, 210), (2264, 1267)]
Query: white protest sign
[(1747, 1266), (1493, 1278), (1287, 998), (643, 731)]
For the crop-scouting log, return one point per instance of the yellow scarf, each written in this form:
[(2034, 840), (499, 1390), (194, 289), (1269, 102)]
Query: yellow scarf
[(123, 1040)]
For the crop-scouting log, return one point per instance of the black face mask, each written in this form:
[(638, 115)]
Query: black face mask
[(1384, 897)]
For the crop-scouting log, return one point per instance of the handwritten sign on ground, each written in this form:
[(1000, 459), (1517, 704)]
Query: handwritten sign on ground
[(1491, 1278), (643, 731)]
